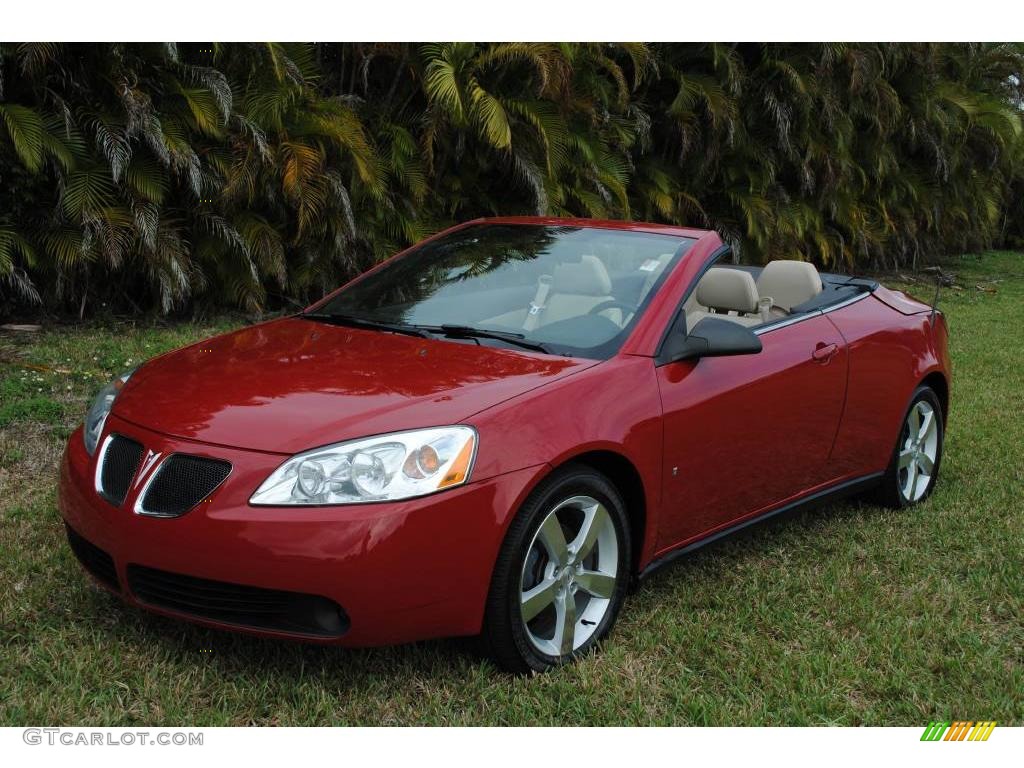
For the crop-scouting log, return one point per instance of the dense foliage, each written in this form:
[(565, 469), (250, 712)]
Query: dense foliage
[(155, 176)]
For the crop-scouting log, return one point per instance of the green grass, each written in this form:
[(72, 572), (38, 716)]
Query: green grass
[(847, 615)]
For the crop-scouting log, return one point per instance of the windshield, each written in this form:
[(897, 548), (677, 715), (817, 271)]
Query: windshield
[(560, 289)]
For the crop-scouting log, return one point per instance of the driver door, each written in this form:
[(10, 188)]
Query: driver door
[(745, 433)]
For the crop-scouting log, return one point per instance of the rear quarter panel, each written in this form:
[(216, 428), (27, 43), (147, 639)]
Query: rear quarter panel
[(890, 353)]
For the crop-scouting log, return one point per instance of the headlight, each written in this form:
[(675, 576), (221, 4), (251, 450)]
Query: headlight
[(383, 468), (99, 409)]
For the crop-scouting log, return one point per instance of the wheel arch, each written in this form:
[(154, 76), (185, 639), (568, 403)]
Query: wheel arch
[(626, 478), (938, 382)]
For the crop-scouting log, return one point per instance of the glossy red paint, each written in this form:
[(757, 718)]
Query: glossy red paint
[(709, 443), (292, 384), (781, 437), (890, 354), (389, 565)]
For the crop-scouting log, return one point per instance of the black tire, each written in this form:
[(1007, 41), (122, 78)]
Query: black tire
[(505, 638), (889, 493)]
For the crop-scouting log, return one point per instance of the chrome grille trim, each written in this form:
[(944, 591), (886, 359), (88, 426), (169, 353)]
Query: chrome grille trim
[(139, 507), (101, 460)]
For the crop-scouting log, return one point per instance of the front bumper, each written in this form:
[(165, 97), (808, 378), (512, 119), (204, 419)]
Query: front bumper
[(401, 571)]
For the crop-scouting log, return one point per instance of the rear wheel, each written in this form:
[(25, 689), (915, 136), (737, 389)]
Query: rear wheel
[(914, 466), (562, 573)]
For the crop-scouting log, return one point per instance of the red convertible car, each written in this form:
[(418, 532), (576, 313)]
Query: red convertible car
[(496, 433)]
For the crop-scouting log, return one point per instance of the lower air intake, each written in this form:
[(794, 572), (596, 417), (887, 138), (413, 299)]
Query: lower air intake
[(93, 559), (244, 606)]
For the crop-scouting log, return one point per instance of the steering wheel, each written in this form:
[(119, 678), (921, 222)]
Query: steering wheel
[(628, 309)]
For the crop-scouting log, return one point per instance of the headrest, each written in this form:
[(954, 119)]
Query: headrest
[(789, 283), (727, 289), (587, 277)]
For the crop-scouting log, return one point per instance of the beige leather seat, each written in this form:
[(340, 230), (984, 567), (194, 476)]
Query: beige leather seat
[(576, 288), (725, 290), (788, 284)]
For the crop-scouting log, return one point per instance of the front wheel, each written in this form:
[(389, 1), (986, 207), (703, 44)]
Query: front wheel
[(562, 573), (914, 466)]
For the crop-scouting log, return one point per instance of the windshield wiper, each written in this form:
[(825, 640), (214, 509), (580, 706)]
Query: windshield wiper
[(468, 332), (425, 331), (376, 325)]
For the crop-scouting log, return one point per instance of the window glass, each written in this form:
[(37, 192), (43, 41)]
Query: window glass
[(576, 290)]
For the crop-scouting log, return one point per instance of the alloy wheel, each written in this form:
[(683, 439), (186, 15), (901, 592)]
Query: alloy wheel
[(919, 447), (569, 576)]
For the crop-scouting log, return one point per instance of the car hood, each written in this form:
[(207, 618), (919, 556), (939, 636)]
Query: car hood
[(293, 384)]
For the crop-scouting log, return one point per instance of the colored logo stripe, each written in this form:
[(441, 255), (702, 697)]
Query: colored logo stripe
[(982, 731), (959, 730)]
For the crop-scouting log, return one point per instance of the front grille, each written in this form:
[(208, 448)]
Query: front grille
[(121, 458), (244, 606), (181, 482), (93, 559)]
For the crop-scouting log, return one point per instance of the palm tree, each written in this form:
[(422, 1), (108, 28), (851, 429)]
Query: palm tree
[(169, 170), (162, 175)]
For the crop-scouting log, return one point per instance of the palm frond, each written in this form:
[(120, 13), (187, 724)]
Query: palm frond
[(87, 192), (26, 133)]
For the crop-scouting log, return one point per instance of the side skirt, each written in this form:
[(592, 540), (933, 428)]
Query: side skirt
[(832, 493)]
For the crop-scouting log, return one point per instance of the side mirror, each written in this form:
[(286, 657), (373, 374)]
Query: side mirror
[(712, 337)]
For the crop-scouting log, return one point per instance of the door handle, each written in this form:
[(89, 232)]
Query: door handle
[(823, 352)]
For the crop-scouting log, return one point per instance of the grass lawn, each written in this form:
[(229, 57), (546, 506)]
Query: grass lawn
[(847, 615)]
